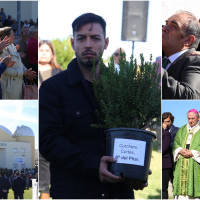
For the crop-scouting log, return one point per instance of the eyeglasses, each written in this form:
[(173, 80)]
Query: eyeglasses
[(115, 54)]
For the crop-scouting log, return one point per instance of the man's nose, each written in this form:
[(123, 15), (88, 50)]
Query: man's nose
[(88, 43), (165, 29)]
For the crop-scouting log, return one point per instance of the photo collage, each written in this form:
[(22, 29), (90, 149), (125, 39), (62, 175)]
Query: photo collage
[(87, 92)]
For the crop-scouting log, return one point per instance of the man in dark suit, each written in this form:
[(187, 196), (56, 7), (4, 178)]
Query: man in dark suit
[(8, 22), (18, 186), (181, 74), (4, 186), (75, 149), (166, 160)]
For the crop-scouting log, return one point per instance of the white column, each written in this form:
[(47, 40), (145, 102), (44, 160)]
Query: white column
[(34, 189)]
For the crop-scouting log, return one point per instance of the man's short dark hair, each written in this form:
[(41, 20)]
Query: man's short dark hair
[(88, 18), (192, 28), (165, 115)]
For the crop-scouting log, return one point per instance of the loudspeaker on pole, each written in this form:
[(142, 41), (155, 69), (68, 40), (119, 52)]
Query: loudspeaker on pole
[(134, 20)]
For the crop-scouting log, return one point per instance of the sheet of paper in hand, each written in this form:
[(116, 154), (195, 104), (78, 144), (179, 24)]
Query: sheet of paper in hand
[(129, 151)]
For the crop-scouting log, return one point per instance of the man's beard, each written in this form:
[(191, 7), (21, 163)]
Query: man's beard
[(88, 63)]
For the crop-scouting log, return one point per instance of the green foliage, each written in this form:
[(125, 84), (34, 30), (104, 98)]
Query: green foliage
[(64, 51), (130, 97)]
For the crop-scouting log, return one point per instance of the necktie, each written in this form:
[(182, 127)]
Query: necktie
[(165, 62)]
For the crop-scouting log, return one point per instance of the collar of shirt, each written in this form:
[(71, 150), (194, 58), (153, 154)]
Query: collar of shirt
[(169, 128), (173, 57), (117, 67)]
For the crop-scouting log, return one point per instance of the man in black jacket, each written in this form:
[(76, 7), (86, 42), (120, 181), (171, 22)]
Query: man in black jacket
[(18, 186), (4, 186), (181, 74), (75, 149)]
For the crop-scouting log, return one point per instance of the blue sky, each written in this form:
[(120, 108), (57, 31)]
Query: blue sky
[(55, 22), (15, 113), (179, 109)]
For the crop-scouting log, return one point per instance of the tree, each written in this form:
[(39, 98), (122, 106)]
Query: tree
[(64, 51)]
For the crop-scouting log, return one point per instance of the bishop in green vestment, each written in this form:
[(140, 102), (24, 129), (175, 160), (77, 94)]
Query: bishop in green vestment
[(186, 153)]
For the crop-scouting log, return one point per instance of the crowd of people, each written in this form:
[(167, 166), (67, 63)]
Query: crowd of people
[(23, 50), (32, 172), (17, 180), (9, 22), (181, 156)]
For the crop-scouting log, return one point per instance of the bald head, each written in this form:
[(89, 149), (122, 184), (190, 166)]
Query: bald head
[(116, 55)]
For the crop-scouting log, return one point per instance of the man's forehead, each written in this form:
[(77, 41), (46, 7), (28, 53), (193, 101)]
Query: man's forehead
[(180, 18), (95, 28), (191, 114)]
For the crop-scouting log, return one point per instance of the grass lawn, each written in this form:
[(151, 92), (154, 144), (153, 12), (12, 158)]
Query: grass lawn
[(27, 194), (153, 191)]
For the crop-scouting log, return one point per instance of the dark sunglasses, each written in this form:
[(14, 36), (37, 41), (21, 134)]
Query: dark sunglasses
[(115, 54)]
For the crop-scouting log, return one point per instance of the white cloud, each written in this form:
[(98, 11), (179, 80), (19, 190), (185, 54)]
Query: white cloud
[(14, 103), (11, 103), (15, 111), (30, 103), (17, 116)]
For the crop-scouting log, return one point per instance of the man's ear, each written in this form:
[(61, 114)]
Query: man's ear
[(72, 43), (106, 43), (189, 40)]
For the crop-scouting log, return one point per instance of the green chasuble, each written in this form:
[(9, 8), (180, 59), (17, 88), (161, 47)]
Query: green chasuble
[(187, 171)]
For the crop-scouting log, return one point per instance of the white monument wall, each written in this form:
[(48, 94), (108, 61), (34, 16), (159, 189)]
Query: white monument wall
[(10, 155)]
